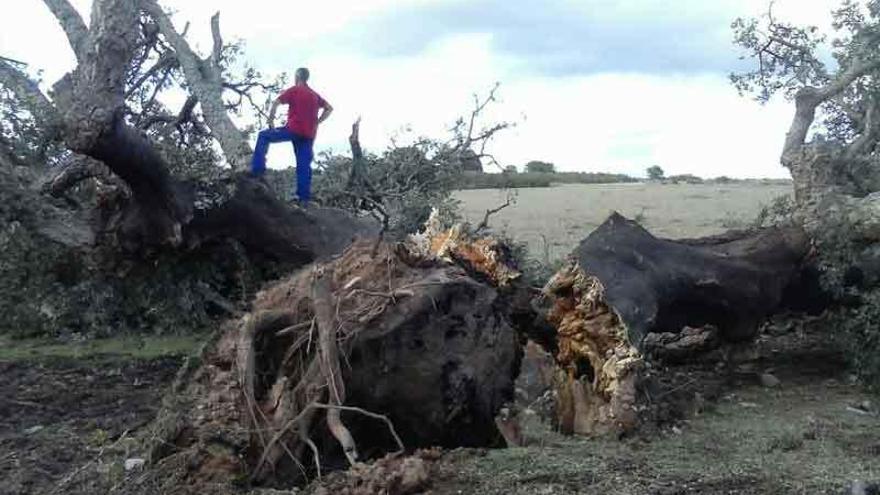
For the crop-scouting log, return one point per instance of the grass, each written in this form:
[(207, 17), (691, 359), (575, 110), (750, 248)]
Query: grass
[(797, 439), (120, 347), (566, 214)]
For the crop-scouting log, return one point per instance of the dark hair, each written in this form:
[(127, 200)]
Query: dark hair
[(302, 74)]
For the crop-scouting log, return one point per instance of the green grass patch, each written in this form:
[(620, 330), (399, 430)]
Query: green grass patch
[(129, 346)]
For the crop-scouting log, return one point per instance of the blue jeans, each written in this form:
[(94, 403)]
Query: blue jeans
[(302, 148)]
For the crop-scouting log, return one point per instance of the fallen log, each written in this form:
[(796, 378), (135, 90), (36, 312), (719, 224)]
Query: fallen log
[(623, 284), (380, 349)]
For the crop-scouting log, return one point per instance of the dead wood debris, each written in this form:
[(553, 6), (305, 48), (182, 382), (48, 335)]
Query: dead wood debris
[(598, 368)]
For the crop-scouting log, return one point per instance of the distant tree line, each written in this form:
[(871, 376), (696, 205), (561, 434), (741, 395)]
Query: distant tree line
[(538, 173)]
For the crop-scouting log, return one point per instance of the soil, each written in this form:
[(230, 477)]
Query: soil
[(720, 429), (57, 414)]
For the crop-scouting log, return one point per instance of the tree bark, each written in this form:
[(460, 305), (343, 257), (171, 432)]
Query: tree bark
[(623, 284), (73, 25)]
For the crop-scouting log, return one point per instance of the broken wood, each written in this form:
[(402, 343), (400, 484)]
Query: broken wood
[(623, 284)]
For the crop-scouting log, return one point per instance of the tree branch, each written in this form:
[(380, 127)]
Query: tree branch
[(76, 169), (485, 223), (206, 84), (30, 95), (868, 137), (166, 61), (73, 25), (809, 98), (217, 50)]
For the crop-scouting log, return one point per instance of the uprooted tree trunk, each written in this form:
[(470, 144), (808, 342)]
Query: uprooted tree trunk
[(626, 295), (373, 352)]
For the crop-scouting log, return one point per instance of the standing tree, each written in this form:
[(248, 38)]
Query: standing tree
[(831, 148), (655, 173), (539, 167)]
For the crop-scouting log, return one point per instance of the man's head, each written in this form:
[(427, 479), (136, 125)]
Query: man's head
[(302, 75)]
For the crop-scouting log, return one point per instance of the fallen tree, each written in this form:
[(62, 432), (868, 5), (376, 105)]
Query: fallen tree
[(627, 296), (382, 349)]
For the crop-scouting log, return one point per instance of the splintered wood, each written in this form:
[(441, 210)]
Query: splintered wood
[(484, 256), (598, 368)]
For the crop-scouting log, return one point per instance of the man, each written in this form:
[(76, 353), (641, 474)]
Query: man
[(303, 105)]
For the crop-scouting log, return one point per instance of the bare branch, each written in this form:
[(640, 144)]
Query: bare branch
[(205, 83), (485, 223), (218, 40), (73, 25), (354, 140), (479, 106), (166, 61)]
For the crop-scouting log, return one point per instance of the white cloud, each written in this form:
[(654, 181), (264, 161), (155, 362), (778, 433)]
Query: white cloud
[(617, 122)]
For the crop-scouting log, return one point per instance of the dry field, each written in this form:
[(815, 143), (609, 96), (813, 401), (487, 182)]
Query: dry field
[(553, 220)]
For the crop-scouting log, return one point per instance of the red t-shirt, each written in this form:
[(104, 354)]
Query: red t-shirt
[(302, 110)]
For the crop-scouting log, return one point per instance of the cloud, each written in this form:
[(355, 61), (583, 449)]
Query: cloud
[(603, 84), (564, 37)]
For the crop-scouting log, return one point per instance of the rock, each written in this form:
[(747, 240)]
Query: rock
[(134, 463), (33, 429), (769, 380), (682, 346)]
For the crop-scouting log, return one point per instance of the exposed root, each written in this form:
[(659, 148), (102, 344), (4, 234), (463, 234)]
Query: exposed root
[(295, 389)]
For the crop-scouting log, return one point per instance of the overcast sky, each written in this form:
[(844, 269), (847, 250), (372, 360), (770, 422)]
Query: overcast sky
[(595, 85)]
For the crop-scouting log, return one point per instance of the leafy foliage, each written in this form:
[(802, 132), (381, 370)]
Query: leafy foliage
[(408, 182), (790, 58), (21, 135), (403, 184)]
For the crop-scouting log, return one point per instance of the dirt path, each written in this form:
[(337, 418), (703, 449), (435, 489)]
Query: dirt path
[(56, 414)]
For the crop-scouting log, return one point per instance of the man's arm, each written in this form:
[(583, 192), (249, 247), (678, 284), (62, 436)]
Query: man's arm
[(272, 111), (327, 110)]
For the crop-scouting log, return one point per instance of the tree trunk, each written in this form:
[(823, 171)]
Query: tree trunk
[(623, 284)]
